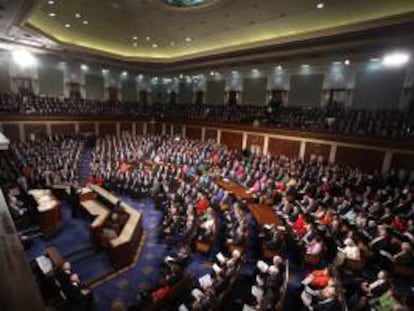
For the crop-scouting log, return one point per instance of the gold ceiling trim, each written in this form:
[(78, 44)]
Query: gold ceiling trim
[(382, 22)]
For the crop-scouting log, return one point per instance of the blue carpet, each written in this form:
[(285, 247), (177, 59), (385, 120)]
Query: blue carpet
[(73, 243), (84, 167), (145, 273)]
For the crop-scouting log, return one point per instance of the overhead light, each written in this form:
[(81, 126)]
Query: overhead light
[(172, 43), (337, 63), (234, 72), (105, 71), (320, 5), (279, 67), (135, 44), (85, 22), (305, 66), (154, 45), (51, 2), (212, 73), (78, 15), (181, 76), (134, 38), (255, 70), (67, 25), (347, 62), (23, 58), (148, 38), (395, 59), (188, 39), (84, 67), (374, 59), (124, 73), (52, 14)]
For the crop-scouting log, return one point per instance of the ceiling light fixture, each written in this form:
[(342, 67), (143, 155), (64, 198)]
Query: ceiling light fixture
[(23, 58), (320, 5), (67, 25), (85, 22), (148, 38), (51, 14), (279, 67), (374, 59), (78, 15), (51, 2), (124, 73), (105, 71), (135, 44), (188, 39), (84, 67), (396, 59), (134, 38), (155, 45), (347, 62)]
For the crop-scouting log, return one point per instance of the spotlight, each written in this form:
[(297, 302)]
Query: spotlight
[(23, 58), (84, 67), (347, 62), (395, 59), (320, 5)]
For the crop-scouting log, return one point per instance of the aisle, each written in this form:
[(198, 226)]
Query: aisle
[(84, 165)]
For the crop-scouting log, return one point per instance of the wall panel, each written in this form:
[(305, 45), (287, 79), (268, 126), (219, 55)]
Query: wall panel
[(178, 129), (107, 129), (232, 140), (126, 127), (378, 89), (11, 131), (86, 127), (50, 80), (129, 90), (39, 129), (215, 92), (278, 146), (306, 90), (94, 87), (254, 91), (211, 134), (67, 128), (193, 132), (366, 160), (403, 161), (317, 150), (255, 141)]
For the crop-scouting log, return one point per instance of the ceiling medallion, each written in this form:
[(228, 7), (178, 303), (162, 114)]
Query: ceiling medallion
[(186, 4)]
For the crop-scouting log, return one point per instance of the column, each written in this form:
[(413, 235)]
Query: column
[(386, 162), (183, 131), (77, 127), (266, 145), (96, 128), (219, 136), (21, 132), (145, 128), (48, 129), (332, 154), (172, 129), (302, 150), (163, 128), (118, 129), (134, 129), (244, 142), (203, 134)]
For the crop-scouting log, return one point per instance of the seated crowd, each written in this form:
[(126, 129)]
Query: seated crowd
[(328, 213)]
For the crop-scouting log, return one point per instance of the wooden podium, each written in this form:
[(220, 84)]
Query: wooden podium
[(49, 210)]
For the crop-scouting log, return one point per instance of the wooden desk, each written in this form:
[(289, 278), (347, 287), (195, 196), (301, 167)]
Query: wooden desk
[(55, 257), (238, 191), (123, 248), (50, 215), (264, 214)]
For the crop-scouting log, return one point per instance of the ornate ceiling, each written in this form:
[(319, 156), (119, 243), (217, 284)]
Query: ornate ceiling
[(175, 30)]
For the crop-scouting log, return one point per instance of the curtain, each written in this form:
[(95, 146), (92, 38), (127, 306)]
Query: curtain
[(254, 91), (94, 87), (215, 92), (306, 90)]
